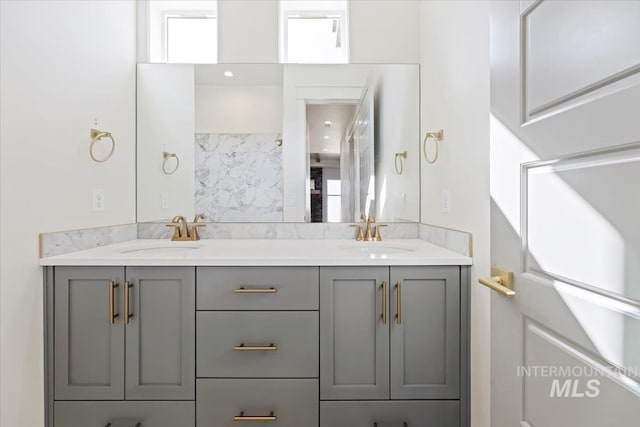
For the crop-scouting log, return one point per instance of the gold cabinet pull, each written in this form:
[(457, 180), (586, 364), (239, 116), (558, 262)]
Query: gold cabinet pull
[(127, 310), (500, 281), (399, 303), (242, 347), (243, 290), (384, 302), (243, 417), (112, 297)]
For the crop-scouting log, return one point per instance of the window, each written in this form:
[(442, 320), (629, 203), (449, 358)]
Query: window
[(183, 31), (334, 200), (314, 32)]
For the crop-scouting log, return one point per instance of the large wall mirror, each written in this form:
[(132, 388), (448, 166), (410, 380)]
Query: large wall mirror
[(278, 142)]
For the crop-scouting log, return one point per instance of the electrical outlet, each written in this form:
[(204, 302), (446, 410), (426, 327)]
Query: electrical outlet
[(165, 200), (446, 201), (98, 199)]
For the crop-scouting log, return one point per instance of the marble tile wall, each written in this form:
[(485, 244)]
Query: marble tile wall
[(59, 243), (457, 241), (62, 242), (238, 177), (278, 231)]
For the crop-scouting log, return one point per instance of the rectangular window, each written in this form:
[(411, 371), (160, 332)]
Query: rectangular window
[(183, 31), (334, 200), (191, 39), (314, 32)]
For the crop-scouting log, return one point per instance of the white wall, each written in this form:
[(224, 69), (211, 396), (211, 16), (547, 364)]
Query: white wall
[(238, 109), (397, 117), (248, 31), (384, 31), (165, 111), (63, 64), (454, 52)]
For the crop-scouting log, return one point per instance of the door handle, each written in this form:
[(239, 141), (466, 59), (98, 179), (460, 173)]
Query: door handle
[(398, 302), (384, 302), (112, 313), (500, 281), (127, 310)]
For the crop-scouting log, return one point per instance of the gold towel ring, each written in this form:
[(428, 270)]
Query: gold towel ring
[(400, 156), (437, 137), (97, 135), (166, 156)]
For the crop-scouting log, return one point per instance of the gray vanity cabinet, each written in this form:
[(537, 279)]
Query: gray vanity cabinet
[(389, 333), (425, 332), (124, 335), (89, 348), (160, 335), (354, 333), (391, 345)]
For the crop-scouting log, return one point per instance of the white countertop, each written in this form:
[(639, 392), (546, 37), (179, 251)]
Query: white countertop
[(261, 252)]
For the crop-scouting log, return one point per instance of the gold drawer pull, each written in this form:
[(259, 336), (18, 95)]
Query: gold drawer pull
[(398, 303), (112, 313), (243, 417), (242, 347), (243, 290), (384, 302), (127, 301)]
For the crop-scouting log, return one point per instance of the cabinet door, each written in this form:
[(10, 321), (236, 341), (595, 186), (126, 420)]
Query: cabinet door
[(354, 337), (425, 332), (125, 414), (160, 334), (89, 348)]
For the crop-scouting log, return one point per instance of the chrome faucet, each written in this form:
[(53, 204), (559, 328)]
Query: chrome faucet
[(181, 228)]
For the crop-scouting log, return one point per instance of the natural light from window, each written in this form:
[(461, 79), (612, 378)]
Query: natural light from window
[(314, 32), (334, 200), (183, 31), (191, 40)]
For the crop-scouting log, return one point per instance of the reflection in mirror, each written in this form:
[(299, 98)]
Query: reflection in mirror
[(272, 142)]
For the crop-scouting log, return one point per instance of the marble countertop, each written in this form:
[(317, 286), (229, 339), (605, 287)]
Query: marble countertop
[(261, 252)]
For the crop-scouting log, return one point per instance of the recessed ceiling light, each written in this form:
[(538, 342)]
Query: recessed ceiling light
[(326, 137), (228, 73), (327, 124), (325, 149)]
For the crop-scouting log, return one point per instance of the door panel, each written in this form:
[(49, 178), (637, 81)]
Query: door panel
[(565, 139), (444, 413), (124, 414), (89, 350), (354, 340), (161, 333), (425, 341)]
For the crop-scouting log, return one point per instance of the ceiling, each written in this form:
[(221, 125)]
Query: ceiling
[(340, 116), (243, 74)]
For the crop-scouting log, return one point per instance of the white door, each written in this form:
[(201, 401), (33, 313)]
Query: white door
[(565, 213)]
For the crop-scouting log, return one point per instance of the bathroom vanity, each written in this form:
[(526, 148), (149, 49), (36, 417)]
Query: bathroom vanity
[(295, 333)]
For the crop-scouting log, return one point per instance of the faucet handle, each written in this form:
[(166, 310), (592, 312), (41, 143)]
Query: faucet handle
[(360, 235), (199, 217), (376, 235), (176, 231)]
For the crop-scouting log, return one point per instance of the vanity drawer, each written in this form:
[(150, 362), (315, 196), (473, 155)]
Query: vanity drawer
[(124, 414), (432, 413), (294, 334), (258, 288), (293, 402)]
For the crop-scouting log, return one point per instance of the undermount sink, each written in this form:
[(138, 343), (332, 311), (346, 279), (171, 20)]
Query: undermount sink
[(167, 249), (377, 248)]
